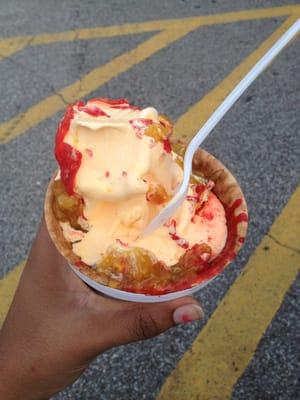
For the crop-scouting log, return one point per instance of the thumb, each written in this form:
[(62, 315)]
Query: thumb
[(139, 321)]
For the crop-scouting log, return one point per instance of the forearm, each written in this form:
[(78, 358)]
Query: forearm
[(56, 325)]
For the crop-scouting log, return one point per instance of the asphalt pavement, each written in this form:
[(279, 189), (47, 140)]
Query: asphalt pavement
[(258, 141)]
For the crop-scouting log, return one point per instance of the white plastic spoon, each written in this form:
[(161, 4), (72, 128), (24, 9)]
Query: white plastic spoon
[(202, 134)]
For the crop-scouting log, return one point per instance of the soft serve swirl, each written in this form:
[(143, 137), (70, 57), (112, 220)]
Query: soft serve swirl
[(116, 167)]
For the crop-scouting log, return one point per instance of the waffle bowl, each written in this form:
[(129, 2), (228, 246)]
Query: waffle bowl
[(228, 192)]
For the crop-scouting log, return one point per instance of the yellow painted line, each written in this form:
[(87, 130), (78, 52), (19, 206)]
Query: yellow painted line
[(91, 81), (13, 44), (97, 77), (7, 289), (227, 343), (198, 114)]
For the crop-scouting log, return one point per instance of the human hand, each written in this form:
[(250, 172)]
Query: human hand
[(57, 325)]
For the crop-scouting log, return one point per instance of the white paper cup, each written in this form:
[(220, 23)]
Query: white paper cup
[(226, 189), (137, 297)]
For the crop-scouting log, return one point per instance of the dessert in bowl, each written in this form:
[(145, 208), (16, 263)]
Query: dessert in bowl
[(117, 170)]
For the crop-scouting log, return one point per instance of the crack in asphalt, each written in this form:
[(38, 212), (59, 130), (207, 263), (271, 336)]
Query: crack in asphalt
[(11, 54), (15, 123), (38, 78), (282, 244), (60, 95), (81, 62)]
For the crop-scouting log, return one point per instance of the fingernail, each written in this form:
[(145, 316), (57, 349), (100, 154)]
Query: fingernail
[(187, 313)]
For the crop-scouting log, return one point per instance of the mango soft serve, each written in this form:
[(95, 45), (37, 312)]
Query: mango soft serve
[(117, 170)]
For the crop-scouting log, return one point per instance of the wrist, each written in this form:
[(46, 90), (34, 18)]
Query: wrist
[(15, 384), (12, 389), (6, 391), (7, 388)]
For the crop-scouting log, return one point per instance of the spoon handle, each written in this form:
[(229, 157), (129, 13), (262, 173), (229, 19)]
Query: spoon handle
[(235, 94), (209, 125)]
